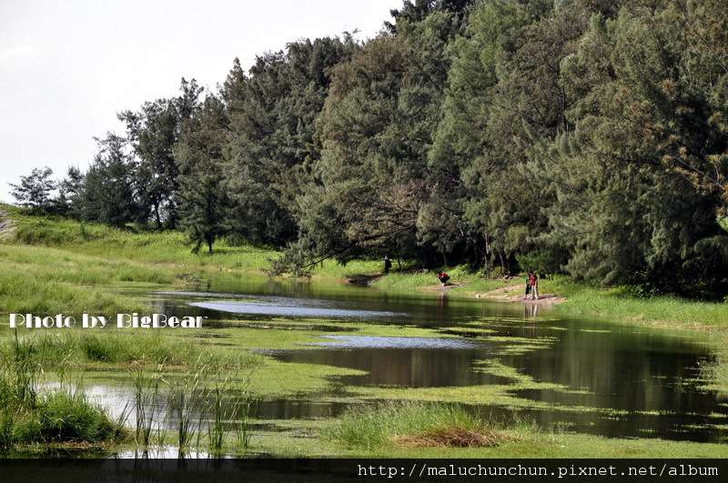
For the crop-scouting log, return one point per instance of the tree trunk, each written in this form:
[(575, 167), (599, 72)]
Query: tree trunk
[(157, 217)]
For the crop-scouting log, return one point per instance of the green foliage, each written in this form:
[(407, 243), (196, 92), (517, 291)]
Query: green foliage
[(271, 145), (584, 136), (204, 196), (153, 132), (32, 415), (62, 416), (35, 190), (109, 194), (542, 262)]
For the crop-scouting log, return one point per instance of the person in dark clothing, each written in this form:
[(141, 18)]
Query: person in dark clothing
[(443, 277), (387, 264), (528, 284)]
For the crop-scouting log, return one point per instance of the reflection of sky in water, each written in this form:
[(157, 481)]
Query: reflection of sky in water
[(360, 342), (290, 308), (168, 451)]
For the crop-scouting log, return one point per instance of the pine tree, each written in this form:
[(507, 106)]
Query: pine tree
[(35, 190), (205, 205)]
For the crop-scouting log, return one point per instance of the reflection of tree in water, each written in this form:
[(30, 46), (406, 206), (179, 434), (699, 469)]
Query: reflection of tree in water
[(617, 369), (403, 367), (622, 370)]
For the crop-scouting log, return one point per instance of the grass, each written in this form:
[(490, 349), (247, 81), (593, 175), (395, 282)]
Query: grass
[(114, 347), (618, 304), (30, 416), (55, 265), (412, 424), (411, 279), (208, 412), (434, 430)]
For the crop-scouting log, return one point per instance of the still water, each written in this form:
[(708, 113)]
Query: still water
[(616, 380)]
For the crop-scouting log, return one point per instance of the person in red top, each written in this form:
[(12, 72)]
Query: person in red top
[(533, 282), (443, 277)]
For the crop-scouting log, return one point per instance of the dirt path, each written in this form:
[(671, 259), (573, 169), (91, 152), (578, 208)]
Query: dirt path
[(7, 227), (442, 288), (516, 293)]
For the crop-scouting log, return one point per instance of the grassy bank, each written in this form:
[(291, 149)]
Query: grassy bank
[(60, 266), (47, 257), (53, 265), (432, 430)]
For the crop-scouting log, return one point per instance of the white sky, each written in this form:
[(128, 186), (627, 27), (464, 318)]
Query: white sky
[(67, 67)]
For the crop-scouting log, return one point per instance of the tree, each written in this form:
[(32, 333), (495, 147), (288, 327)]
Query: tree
[(70, 190), (153, 132), (35, 190), (583, 136), (372, 178), (205, 205), (271, 147), (109, 194)]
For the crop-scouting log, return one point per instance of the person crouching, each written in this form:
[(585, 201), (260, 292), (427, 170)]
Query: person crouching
[(443, 277)]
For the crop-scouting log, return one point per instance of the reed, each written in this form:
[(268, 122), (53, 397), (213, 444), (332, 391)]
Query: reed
[(215, 428), (146, 402), (184, 397)]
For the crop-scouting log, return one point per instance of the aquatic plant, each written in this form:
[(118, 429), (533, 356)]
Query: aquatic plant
[(184, 397), (28, 415), (146, 402), (215, 429)]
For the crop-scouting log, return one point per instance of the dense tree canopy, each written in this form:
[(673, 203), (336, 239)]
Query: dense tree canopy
[(579, 136)]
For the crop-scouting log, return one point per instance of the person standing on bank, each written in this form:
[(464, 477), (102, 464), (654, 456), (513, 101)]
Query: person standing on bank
[(387, 264), (528, 284), (533, 279)]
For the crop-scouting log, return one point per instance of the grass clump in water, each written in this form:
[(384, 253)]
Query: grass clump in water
[(154, 349), (29, 416), (414, 424), (64, 416)]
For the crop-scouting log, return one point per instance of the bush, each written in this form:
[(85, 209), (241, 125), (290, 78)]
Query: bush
[(63, 416), (542, 261), (29, 415)]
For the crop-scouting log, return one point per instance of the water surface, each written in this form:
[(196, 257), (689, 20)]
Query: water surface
[(618, 380)]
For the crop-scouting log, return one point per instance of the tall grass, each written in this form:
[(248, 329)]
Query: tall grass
[(190, 399), (241, 424), (184, 399), (228, 408), (19, 384), (28, 415), (146, 407), (375, 427), (215, 429), (58, 351)]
